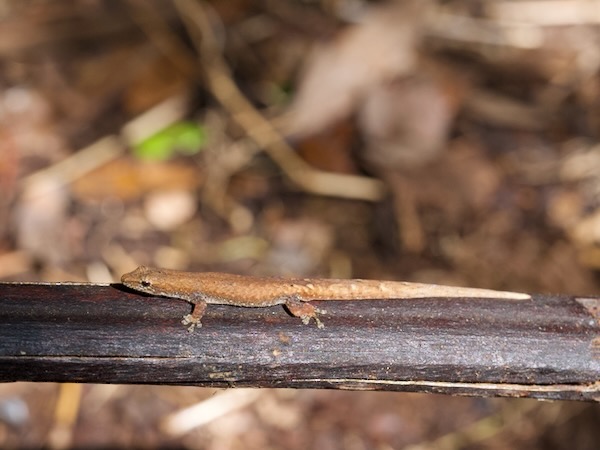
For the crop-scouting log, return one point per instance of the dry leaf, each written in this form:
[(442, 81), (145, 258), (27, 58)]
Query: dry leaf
[(405, 123), (382, 47)]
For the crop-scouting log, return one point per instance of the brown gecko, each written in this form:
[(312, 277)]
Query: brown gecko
[(202, 288)]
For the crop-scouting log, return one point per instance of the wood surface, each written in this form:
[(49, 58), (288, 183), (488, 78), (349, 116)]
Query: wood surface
[(547, 347)]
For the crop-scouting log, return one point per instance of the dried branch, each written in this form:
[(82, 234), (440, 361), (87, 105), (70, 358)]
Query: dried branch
[(548, 347)]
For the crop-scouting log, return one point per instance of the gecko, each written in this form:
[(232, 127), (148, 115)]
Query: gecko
[(203, 288)]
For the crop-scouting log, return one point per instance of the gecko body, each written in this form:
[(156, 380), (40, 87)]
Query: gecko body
[(202, 288)]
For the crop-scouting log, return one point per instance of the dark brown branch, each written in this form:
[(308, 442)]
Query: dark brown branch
[(548, 347)]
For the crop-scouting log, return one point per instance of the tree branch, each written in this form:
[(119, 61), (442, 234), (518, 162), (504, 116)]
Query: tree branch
[(548, 347)]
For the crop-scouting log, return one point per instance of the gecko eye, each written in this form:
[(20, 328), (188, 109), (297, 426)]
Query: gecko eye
[(146, 283)]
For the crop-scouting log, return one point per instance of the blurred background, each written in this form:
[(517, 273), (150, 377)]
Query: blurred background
[(452, 142)]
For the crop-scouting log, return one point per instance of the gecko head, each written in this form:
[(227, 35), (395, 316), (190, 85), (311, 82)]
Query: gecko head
[(141, 279)]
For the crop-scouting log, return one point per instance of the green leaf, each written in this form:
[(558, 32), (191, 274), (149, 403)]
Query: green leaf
[(185, 138)]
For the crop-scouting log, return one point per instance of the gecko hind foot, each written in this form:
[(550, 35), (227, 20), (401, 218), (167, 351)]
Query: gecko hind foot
[(306, 318), (305, 311)]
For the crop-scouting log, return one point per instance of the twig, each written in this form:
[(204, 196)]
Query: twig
[(108, 147), (546, 347), (257, 127)]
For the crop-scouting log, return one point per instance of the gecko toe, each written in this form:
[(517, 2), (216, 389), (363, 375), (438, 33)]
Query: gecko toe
[(192, 321)]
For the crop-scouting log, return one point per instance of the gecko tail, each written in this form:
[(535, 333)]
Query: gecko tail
[(418, 290)]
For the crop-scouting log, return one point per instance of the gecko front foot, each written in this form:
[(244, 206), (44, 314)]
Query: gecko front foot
[(193, 322), (193, 319), (305, 311)]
